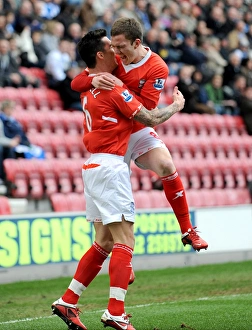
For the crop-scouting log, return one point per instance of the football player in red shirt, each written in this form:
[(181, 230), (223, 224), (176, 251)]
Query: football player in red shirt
[(145, 73), (108, 126)]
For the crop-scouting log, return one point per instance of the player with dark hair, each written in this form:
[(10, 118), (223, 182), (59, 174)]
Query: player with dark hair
[(108, 125), (145, 73)]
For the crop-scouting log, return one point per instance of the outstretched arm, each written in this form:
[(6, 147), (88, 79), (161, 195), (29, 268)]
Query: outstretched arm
[(158, 116), (103, 80)]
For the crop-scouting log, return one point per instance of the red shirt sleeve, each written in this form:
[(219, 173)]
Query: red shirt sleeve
[(82, 82)]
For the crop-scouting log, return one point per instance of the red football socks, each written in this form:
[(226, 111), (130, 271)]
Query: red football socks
[(88, 267), (119, 271), (175, 194)]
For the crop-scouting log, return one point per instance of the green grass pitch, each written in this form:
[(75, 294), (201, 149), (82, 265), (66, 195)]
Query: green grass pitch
[(209, 297)]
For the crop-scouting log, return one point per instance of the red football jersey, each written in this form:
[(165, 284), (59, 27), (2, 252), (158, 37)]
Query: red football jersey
[(108, 119), (145, 78)]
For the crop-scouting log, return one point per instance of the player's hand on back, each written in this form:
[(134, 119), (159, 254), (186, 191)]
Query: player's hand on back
[(106, 81)]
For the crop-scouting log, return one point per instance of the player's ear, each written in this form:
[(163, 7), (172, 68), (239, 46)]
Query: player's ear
[(137, 43), (100, 55)]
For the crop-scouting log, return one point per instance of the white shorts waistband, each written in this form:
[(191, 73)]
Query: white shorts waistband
[(105, 155)]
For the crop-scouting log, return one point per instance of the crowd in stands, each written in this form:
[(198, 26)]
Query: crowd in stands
[(207, 44), (213, 37)]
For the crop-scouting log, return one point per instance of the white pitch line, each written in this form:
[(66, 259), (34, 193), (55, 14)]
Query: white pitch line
[(136, 306)]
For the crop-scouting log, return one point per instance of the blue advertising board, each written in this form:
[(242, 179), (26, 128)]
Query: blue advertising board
[(57, 237)]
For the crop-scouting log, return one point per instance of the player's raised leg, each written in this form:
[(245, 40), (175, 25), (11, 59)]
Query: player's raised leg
[(159, 160)]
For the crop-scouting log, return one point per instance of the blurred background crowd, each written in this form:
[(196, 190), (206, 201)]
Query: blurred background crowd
[(207, 44)]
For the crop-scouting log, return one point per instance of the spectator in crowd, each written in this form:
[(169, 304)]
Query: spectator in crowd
[(224, 48), (58, 61), (141, 12), (187, 14), (25, 45), (7, 146), (233, 16), (3, 31), (10, 74), (237, 34), (191, 54), (13, 129), (202, 31), (174, 10), (104, 22), (191, 90), (215, 63), (153, 13), (233, 68), (176, 36), (74, 32), (218, 23), (213, 96), (249, 35), (235, 90), (164, 19), (246, 70), (100, 6), (127, 9), (151, 38), (242, 49), (53, 32), (205, 7), (170, 55), (87, 14), (246, 108), (39, 48), (69, 14), (10, 20), (25, 17), (70, 98), (14, 50), (50, 9), (7, 5)]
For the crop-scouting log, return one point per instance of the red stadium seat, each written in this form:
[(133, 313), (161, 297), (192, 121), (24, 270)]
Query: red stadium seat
[(68, 202), (5, 208), (142, 199), (45, 142), (135, 181), (16, 174), (36, 186), (59, 202), (158, 199), (76, 202)]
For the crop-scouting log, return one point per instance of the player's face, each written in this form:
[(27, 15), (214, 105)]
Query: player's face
[(109, 55), (125, 49)]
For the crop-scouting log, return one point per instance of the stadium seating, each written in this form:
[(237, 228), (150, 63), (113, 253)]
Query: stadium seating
[(68, 202), (5, 208), (33, 178), (213, 154), (35, 121)]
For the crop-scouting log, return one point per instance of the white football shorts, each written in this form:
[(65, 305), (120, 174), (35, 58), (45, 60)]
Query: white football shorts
[(141, 142), (107, 189)]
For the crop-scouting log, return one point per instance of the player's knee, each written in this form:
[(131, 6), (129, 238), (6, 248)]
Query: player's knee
[(166, 167)]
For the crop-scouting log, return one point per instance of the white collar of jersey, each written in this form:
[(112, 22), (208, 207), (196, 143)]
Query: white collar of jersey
[(132, 66)]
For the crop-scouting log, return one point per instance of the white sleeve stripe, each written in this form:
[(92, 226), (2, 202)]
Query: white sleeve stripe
[(114, 120)]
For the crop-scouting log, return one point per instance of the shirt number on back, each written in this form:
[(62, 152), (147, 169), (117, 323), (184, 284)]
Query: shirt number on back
[(87, 115)]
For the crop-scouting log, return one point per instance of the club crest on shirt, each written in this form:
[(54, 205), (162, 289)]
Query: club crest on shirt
[(141, 83), (159, 84), (127, 96)]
